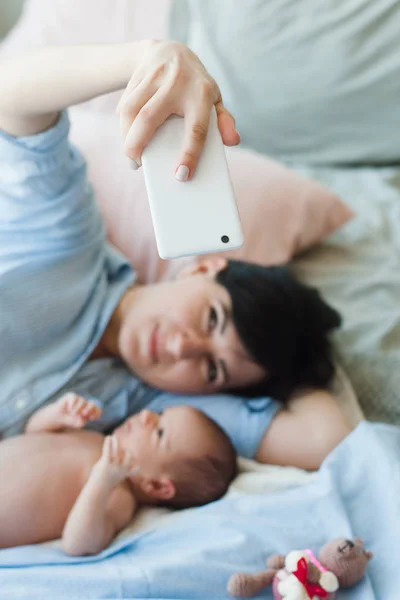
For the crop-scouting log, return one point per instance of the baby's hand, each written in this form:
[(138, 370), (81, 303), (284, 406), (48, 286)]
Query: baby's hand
[(75, 411), (115, 462)]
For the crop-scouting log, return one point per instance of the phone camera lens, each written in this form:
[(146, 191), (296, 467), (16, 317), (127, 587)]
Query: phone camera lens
[(225, 239)]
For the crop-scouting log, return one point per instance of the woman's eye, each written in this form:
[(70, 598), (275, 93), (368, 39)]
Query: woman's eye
[(160, 433), (212, 371), (213, 319)]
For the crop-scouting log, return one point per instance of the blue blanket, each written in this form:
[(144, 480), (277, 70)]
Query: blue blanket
[(356, 492)]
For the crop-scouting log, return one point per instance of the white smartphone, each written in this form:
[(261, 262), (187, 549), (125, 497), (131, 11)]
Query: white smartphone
[(196, 217)]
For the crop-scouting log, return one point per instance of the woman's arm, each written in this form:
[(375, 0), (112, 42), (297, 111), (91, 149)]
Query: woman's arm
[(304, 433), (160, 78), (36, 86)]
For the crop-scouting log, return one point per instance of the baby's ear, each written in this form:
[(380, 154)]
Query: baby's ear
[(159, 489)]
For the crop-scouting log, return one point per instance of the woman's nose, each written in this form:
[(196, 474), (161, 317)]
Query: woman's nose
[(184, 346)]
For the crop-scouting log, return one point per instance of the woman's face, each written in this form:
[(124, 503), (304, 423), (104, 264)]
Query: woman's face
[(179, 336)]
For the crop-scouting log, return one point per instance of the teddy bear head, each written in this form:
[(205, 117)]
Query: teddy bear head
[(347, 559)]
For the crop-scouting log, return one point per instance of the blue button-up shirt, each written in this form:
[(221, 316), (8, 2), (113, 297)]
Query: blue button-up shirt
[(60, 282)]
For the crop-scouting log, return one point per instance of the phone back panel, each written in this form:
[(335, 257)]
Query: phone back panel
[(190, 217)]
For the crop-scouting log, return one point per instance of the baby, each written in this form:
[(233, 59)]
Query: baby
[(57, 481)]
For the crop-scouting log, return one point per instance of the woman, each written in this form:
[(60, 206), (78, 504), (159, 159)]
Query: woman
[(72, 316)]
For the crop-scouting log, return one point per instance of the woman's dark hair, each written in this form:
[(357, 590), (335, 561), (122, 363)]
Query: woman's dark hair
[(284, 326)]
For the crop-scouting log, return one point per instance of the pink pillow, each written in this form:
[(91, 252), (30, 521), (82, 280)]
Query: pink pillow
[(282, 212)]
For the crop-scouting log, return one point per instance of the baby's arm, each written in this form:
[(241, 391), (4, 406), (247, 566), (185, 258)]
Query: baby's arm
[(105, 505), (69, 411), (302, 434)]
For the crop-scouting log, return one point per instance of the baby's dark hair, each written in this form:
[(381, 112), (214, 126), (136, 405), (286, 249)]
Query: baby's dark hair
[(203, 479), (284, 325)]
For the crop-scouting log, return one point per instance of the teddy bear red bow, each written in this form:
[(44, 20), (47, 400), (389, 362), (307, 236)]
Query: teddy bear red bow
[(302, 576), (310, 589)]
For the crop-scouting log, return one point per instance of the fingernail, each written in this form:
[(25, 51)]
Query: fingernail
[(134, 164), (240, 137), (182, 173)]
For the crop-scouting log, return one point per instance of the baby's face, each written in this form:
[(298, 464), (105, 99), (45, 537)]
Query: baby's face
[(158, 441)]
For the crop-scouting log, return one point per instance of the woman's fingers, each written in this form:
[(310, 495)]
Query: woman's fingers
[(147, 121), (130, 105), (197, 120), (196, 128), (226, 125)]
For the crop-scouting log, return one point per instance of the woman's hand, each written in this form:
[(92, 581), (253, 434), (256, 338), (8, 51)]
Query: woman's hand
[(167, 79), (170, 79)]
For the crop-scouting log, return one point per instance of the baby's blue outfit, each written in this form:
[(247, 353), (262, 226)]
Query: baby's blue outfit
[(60, 282)]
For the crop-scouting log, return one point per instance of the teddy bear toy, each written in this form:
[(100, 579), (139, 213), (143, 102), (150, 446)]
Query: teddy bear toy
[(301, 576)]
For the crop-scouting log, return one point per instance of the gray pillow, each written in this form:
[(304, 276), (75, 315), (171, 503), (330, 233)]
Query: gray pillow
[(358, 271), (316, 82)]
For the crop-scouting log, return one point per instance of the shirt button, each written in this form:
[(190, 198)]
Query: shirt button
[(20, 403)]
